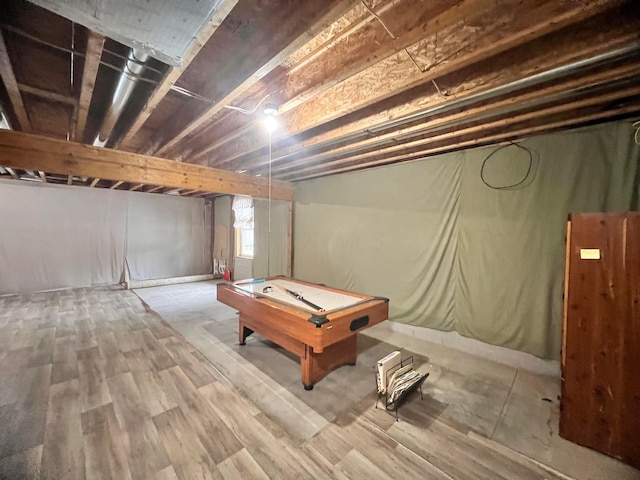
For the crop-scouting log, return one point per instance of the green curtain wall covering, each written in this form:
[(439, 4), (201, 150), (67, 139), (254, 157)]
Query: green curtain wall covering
[(452, 253), (270, 242)]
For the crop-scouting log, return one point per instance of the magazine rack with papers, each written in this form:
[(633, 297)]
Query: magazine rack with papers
[(396, 380)]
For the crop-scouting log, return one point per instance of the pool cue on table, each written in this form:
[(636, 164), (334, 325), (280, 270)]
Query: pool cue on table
[(297, 296)]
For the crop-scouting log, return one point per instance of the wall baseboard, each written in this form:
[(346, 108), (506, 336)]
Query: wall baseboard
[(506, 356), (130, 285)]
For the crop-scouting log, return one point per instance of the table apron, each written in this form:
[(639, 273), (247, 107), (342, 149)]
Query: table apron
[(287, 342)]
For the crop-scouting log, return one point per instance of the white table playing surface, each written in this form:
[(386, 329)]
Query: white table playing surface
[(326, 299)]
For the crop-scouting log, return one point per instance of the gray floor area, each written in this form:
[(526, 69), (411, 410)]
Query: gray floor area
[(508, 408)]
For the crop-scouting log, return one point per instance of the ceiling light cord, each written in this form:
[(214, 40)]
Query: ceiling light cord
[(248, 112), (269, 208), (73, 47), (70, 127)]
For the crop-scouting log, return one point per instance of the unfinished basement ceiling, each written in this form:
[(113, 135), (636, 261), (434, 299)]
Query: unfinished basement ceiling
[(358, 84), (163, 29)]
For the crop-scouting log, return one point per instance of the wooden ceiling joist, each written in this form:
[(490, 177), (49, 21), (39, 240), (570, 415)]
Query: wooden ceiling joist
[(11, 84), (358, 84), (20, 150), (366, 86), (514, 27), (500, 73), (174, 73), (309, 13), (344, 43), (95, 45), (468, 114), (472, 137), (53, 96), (579, 119)]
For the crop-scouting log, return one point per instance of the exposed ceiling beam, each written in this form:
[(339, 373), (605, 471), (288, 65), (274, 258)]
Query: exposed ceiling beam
[(95, 44), (42, 93), (10, 83), (509, 28), (43, 177), (423, 62), (484, 140), (69, 179), (467, 114), (548, 59), (519, 126), (174, 73), (164, 140), (32, 152), (379, 36), (577, 120), (116, 184), (136, 187), (94, 182), (341, 41)]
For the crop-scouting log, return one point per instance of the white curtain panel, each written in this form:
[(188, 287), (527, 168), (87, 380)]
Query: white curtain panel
[(54, 237), (243, 211), (166, 237), (58, 236)]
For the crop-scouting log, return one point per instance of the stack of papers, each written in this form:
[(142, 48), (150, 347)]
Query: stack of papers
[(396, 376), (385, 364)]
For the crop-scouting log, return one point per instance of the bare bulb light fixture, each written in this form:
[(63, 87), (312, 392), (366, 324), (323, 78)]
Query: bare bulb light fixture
[(270, 112), (271, 109)]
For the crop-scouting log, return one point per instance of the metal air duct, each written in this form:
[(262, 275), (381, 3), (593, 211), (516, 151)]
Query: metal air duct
[(133, 69)]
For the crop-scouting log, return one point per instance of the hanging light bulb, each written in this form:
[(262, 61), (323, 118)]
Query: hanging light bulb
[(270, 112), (271, 109), (270, 123)]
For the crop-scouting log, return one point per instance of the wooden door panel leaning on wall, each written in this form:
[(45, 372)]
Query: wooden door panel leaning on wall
[(600, 405)]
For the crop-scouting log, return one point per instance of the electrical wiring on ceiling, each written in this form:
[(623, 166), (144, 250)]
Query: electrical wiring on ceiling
[(188, 93), (248, 112), (532, 167)]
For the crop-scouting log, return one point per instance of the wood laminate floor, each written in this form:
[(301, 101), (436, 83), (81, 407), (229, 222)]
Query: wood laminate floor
[(92, 385)]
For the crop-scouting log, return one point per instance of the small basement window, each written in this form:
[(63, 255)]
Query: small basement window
[(243, 225)]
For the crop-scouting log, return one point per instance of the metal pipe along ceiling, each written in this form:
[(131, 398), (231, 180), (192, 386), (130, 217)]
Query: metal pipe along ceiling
[(133, 69), (515, 85)]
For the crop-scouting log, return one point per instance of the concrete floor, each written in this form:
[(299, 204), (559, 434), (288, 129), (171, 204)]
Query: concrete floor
[(505, 407)]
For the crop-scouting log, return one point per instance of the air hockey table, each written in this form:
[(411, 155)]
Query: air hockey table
[(318, 324)]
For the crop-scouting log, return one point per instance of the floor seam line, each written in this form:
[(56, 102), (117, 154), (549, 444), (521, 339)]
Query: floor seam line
[(504, 406)]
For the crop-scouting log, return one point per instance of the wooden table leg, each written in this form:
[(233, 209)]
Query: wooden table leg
[(243, 332), (315, 366)]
